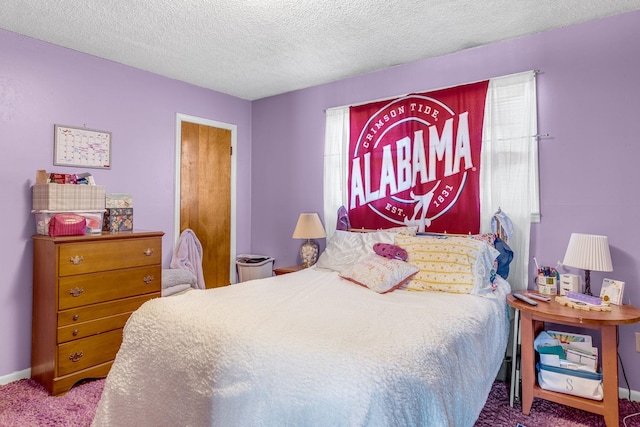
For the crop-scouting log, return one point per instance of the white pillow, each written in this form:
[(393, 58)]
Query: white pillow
[(346, 248), (408, 231)]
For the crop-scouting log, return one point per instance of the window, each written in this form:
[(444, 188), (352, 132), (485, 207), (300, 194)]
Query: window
[(509, 164)]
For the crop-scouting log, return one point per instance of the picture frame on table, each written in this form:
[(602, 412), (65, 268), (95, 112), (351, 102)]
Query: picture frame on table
[(612, 291)]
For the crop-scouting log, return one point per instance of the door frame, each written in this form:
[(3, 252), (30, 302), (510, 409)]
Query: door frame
[(234, 130)]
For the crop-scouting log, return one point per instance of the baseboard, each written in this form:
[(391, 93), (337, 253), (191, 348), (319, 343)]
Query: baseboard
[(623, 393), (20, 375)]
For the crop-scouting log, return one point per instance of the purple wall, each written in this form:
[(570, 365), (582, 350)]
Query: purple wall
[(42, 85), (588, 96), (589, 103)]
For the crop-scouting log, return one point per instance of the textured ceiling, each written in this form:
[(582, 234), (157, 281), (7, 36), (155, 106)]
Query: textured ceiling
[(257, 48)]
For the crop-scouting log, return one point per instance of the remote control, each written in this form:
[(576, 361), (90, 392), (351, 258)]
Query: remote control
[(525, 299), (539, 297)]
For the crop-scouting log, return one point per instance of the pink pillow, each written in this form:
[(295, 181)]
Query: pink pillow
[(380, 274), (390, 251)]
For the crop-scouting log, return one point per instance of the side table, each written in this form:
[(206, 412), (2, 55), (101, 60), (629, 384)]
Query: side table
[(285, 270), (532, 320)]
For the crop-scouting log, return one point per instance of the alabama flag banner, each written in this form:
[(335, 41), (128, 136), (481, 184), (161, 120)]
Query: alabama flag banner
[(415, 161)]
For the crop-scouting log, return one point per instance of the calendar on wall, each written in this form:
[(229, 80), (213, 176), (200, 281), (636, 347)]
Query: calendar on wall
[(81, 147)]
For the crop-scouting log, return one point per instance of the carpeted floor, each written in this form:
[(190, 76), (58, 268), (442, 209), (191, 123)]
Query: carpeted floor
[(25, 403), (497, 412)]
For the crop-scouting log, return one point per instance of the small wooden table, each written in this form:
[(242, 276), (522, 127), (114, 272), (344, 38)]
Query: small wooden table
[(285, 270), (532, 319)]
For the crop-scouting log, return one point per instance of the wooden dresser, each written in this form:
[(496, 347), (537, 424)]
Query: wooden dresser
[(84, 290)]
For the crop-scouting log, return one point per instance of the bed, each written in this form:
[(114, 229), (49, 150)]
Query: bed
[(313, 348)]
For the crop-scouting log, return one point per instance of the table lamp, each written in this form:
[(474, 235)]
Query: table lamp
[(590, 253), (309, 227)]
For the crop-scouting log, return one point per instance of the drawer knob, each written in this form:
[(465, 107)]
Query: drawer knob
[(148, 279), (76, 259), (76, 316), (148, 251), (76, 292), (76, 356), (75, 332)]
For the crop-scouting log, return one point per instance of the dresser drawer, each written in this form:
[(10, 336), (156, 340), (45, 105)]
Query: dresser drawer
[(92, 327), (76, 315), (76, 291), (84, 353), (81, 258)]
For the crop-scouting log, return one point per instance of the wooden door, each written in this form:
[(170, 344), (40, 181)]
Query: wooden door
[(205, 196)]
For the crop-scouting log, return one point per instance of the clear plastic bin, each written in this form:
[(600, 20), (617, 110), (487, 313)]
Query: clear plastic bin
[(254, 267), (94, 220)]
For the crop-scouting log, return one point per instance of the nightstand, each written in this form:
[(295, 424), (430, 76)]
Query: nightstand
[(532, 320), (286, 270)]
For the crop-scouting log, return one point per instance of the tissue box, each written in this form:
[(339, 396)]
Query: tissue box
[(118, 219), (118, 200), (67, 197)]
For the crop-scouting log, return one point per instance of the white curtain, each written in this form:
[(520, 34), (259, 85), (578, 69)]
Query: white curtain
[(509, 164), (336, 162)]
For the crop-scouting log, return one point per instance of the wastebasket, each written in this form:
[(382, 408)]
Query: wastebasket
[(254, 267)]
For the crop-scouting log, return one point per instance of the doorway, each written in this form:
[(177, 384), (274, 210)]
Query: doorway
[(205, 192)]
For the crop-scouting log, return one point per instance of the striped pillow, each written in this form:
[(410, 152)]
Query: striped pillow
[(454, 264)]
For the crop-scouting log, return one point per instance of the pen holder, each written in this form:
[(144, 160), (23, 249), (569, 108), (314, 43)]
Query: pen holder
[(547, 285)]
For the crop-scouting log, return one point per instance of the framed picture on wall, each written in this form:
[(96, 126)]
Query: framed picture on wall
[(81, 147)]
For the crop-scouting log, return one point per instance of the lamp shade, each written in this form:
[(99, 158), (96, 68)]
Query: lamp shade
[(588, 252), (309, 227)]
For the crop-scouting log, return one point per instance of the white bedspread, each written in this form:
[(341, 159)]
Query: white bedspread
[(306, 349)]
